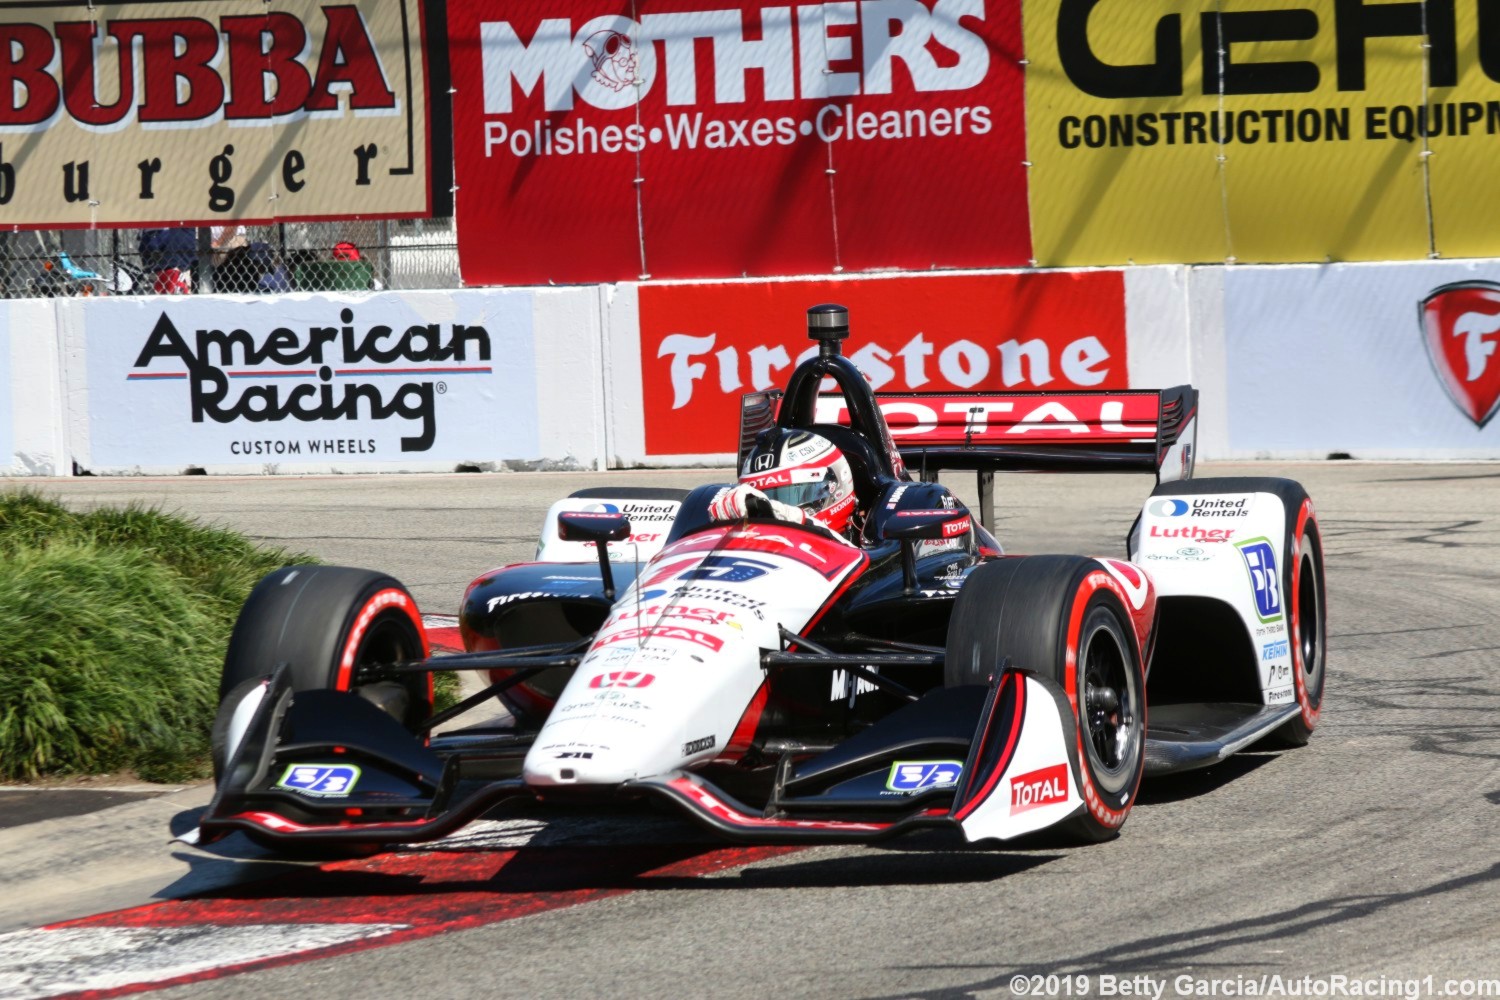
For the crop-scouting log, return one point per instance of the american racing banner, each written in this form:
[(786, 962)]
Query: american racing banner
[(1311, 130), (704, 138), (703, 346), (322, 380), (165, 112), (1373, 361)]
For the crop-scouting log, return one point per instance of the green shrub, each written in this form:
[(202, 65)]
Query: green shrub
[(113, 625), (107, 661)]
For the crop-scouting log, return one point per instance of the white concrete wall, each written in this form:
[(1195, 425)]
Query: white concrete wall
[(1290, 362)]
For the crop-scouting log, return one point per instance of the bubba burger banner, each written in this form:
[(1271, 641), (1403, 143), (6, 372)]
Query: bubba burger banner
[(200, 112), (699, 138), (703, 346), (401, 378)]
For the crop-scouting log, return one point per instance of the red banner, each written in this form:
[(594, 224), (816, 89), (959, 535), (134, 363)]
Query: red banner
[(704, 139), (702, 346)]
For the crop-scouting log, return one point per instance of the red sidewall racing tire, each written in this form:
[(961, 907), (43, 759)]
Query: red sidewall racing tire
[(1066, 619), (325, 622)]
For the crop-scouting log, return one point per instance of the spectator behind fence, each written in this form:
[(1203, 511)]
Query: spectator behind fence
[(251, 268), (169, 254)]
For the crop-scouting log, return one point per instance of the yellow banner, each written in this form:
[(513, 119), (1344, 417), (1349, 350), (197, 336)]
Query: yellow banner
[(209, 111), (1260, 130)]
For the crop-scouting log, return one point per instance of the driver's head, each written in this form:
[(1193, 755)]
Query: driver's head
[(803, 469)]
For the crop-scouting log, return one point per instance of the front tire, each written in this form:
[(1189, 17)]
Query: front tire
[(326, 622), (1066, 619)]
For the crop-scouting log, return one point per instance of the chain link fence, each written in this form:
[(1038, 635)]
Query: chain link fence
[(247, 260)]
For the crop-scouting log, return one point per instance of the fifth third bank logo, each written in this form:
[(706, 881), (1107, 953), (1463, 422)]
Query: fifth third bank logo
[(1461, 331)]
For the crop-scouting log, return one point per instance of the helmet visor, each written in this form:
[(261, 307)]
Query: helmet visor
[(808, 496)]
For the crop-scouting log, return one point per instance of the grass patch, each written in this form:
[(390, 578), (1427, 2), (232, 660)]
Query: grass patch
[(113, 625)]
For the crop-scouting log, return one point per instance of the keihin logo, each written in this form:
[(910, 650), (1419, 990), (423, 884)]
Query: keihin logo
[(322, 373)]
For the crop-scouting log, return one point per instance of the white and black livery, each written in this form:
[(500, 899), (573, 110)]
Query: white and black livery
[(778, 683)]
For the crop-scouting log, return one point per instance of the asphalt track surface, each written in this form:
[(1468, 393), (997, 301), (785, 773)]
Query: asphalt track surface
[(1373, 852)]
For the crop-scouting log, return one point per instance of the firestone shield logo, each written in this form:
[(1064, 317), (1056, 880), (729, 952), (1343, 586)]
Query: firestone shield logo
[(1461, 331)]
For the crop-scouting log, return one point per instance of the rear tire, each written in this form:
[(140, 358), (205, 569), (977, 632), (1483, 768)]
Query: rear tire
[(1063, 617), (325, 622)]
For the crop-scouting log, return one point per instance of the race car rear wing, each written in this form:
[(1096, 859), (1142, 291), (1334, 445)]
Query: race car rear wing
[(1120, 431), (1125, 430)]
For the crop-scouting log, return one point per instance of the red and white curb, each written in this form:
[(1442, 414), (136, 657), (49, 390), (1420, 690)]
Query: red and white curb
[(442, 633), (47, 962), (489, 872)]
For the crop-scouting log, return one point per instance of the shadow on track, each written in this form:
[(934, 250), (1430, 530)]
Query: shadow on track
[(1195, 949)]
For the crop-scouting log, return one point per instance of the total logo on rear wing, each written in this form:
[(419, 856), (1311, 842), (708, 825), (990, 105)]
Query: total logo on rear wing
[(1124, 430)]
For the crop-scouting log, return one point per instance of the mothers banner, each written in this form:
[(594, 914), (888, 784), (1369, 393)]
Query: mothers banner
[(697, 139)]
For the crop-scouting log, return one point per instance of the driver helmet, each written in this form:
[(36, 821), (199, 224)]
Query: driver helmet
[(805, 470)]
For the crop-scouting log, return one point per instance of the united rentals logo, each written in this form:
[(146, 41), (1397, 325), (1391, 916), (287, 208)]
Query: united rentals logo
[(1460, 329), (333, 371)]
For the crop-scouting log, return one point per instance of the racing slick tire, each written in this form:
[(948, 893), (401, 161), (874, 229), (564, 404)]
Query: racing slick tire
[(1302, 582), (325, 622), (1059, 617)]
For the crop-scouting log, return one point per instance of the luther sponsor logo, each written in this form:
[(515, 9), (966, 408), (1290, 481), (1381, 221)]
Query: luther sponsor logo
[(318, 375), (1191, 532), (1035, 789)]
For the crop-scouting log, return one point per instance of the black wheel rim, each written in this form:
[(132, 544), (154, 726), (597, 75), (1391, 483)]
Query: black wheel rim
[(390, 638), (1109, 709), (1310, 628)]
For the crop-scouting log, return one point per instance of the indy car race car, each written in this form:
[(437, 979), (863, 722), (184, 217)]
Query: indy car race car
[(779, 681)]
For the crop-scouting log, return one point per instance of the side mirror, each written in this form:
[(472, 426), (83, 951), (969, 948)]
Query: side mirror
[(598, 527), (592, 526), (911, 526), (927, 525)]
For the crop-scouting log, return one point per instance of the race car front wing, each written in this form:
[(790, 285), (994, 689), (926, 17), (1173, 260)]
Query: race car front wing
[(326, 767)]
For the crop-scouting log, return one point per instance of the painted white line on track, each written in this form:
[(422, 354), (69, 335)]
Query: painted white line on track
[(41, 963), (608, 830)]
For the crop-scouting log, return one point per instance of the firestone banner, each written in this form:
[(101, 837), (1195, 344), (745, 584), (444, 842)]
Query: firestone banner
[(215, 110), (1373, 361), (699, 138), (1242, 130), (703, 346), (404, 378)]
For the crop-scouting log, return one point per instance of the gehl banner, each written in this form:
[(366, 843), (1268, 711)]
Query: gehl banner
[(246, 110), (1262, 130)]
